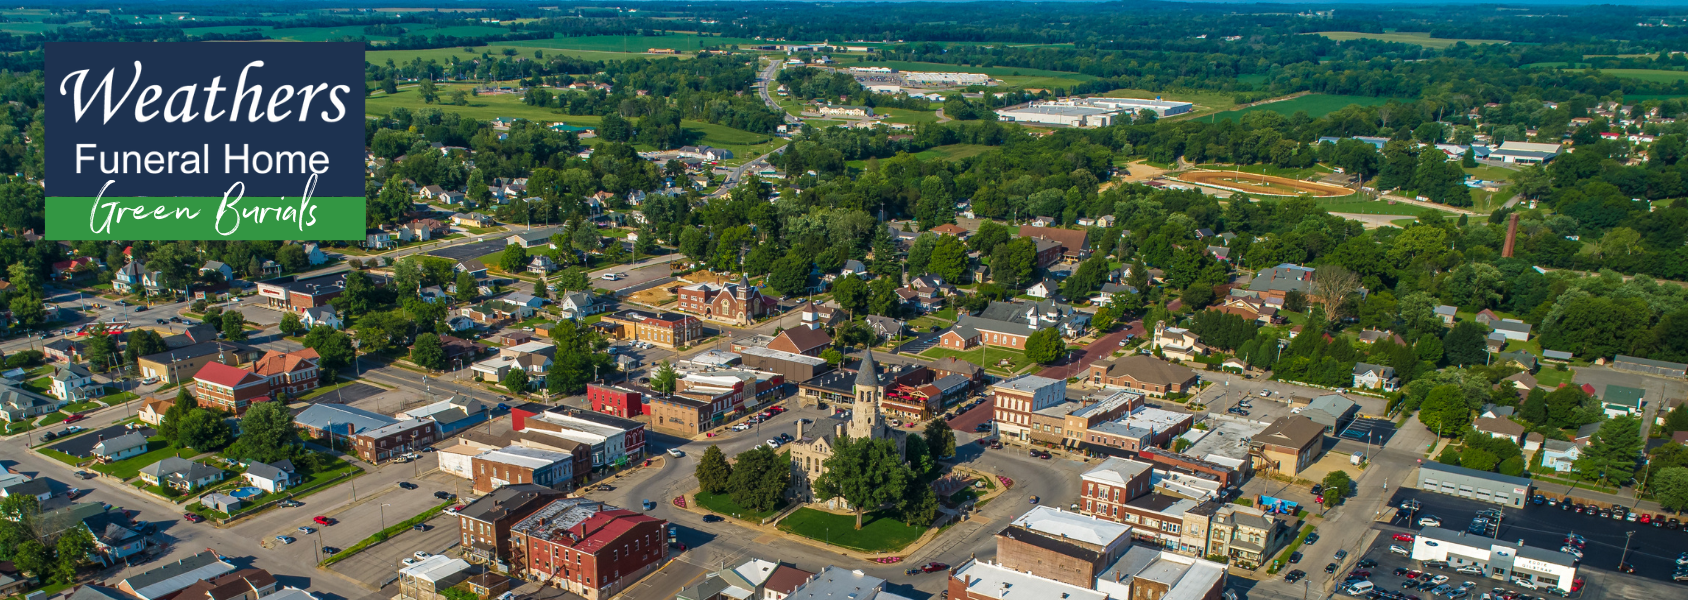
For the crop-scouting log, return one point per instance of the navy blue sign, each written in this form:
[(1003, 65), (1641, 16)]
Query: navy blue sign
[(254, 119)]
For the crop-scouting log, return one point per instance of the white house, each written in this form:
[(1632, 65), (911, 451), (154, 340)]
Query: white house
[(74, 383), (1512, 329), (321, 315), (120, 447), (314, 255), (219, 268), (1045, 289), (581, 304), (1375, 377), (1560, 455), (542, 265), (271, 477)]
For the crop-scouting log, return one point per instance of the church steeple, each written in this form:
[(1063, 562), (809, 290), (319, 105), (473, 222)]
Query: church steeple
[(864, 418)]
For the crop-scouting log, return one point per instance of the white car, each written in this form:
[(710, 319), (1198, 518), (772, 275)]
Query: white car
[(1524, 583), (1399, 550), (740, 427), (420, 555), (410, 561), (149, 381), (1439, 579), (775, 444), (1429, 522), (676, 453)]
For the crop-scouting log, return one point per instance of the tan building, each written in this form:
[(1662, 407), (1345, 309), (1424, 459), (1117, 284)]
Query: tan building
[(668, 330), (1289, 445), (812, 448), (1246, 535), (1143, 373)]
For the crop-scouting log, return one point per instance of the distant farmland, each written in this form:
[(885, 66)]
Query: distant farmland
[(1315, 105), (1420, 38)]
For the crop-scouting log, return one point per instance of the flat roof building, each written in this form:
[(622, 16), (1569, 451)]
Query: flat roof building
[(1471, 483)]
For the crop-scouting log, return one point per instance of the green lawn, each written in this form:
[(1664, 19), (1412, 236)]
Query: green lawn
[(684, 42), (1315, 105), (992, 356), (19, 426), (879, 533), (326, 389), (76, 407), (1551, 378), (906, 115), (723, 504), (52, 418), (158, 449), (1370, 207), (1420, 38), (318, 479), (744, 144), (1653, 75), (952, 152), (1488, 173)]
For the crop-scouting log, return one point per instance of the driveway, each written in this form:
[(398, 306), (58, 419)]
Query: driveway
[(81, 445)]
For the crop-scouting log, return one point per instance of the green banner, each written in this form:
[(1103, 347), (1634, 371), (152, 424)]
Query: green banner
[(206, 218)]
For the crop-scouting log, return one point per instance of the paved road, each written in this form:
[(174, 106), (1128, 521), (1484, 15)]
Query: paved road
[(1078, 360), (762, 84)]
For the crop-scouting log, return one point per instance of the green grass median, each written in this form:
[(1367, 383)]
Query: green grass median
[(383, 535)]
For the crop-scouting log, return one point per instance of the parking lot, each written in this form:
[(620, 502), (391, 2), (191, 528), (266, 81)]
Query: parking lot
[(1651, 550), (469, 251), (1375, 431), (632, 276), (1387, 576)]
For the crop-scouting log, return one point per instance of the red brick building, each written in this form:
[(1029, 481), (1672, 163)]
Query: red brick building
[(1143, 373), (390, 441), (291, 373), (295, 295), (615, 400), (230, 389), (1107, 488), (738, 303), (587, 547), (485, 523), (668, 330)]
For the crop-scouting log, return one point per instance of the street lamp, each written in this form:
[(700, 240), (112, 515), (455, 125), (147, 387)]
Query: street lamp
[(384, 516)]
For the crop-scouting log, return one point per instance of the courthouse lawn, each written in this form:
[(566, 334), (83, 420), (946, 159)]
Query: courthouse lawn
[(879, 533), (992, 356)]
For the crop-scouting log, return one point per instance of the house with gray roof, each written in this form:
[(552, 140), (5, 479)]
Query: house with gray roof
[(180, 474), (1376, 377), (18, 404), (173, 577), (118, 448), (271, 477), (1283, 278)]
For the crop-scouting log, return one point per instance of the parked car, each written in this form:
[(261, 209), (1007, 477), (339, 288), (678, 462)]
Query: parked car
[(322, 520), (75, 418), (1394, 549), (193, 518), (1330, 568), (712, 519), (933, 567), (420, 555), (1430, 521), (675, 452), (407, 485), (1295, 557), (443, 495), (284, 539), (1404, 537), (1312, 538)]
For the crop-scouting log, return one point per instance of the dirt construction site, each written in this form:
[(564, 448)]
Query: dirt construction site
[(1264, 185)]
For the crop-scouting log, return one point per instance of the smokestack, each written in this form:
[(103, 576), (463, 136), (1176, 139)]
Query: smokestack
[(1511, 235)]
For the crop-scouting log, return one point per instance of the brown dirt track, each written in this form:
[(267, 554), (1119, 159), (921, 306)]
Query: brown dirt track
[(1274, 185)]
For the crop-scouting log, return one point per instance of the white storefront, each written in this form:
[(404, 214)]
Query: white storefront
[(1499, 560)]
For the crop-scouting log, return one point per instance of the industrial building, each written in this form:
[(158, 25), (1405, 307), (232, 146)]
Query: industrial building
[(1471, 483), (1503, 561), (1057, 114)]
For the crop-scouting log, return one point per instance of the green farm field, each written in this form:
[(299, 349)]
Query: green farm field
[(953, 152), (1315, 105), (1420, 38), (443, 55), (1653, 75), (744, 144), (636, 44)]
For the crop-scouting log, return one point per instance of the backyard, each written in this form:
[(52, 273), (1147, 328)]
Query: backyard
[(323, 476), (880, 532)]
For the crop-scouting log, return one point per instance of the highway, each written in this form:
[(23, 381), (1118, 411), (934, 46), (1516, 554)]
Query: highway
[(763, 84)]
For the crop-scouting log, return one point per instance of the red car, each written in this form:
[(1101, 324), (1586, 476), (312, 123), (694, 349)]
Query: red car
[(1403, 537), (1646, 519), (933, 567), (192, 518), (322, 520), (1577, 584), (75, 418)]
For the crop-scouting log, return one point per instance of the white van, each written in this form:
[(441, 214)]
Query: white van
[(1360, 588)]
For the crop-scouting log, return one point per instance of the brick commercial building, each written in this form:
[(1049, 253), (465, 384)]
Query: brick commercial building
[(518, 464), (290, 373), (839, 385), (1018, 399), (669, 330), (614, 440), (587, 547), (1287, 446), (615, 400), (395, 439), (485, 523), (1110, 485), (685, 414), (1184, 463), (1144, 428), (338, 424), (229, 389), (180, 364), (801, 340), (791, 366), (1067, 547), (296, 295), (1143, 373)]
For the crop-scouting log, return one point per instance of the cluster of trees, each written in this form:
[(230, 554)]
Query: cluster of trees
[(187, 425), (39, 547), (756, 480), (1482, 452)]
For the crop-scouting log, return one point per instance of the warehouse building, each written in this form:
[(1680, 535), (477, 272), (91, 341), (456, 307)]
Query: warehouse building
[(1499, 560), (1062, 115), (1471, 483), (1162, 108)]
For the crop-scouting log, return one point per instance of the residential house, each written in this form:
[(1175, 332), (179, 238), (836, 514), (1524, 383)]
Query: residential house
[(222, 270), (1008, 324), (65, 349), (1512, 329), (883, 327), (377, 239), (1071, 245), (473, 219), (152, 411), (321, 315), (577, 305), (1375, 377), (1178, 343), (1446, 313), (129, 444), (18, 404), (1110, 291), (271, 477), (542, 265), (1500, 428), (1046, 289), (1560, 455), (127, 280), (75, 383), (180, 474), (1622, 400), (474, 267), (314, 255)]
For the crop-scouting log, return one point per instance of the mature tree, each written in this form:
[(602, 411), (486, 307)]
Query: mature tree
[(919, 458), (290, 325), (713, 471), (177, 412), (1333, 286), (34, 558), (851, 293), (357, 297), (918, 506), (790, 275), (292, 258), (143, 342), (1445, 411), (1611, 455), (939, 438), (759, 479), (334, 347), (1012, 263), (467, 289), (516, 381), (1465, 344), (1337, 486), (267, 433), (427, 352), (234, 325), (513, 259), (664, 379), (204, 430), (884, 300), (1481, 460), (1677, 418), (867, 473), (949, 260), (1045, 346), (1670, 487)]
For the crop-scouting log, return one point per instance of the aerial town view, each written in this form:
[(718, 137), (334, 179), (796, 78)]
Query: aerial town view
[(864, 301)]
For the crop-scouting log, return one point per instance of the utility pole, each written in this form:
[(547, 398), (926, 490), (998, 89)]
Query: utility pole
[(1629, 536)]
